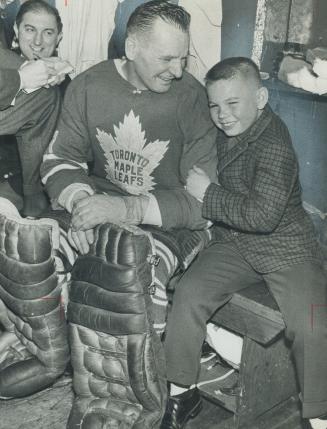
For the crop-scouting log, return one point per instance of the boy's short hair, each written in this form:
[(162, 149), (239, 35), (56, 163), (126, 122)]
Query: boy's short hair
[(231, 67), (38, 6), (143, 17)]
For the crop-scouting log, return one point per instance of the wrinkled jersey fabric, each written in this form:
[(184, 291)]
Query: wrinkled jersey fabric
[(134, 142)]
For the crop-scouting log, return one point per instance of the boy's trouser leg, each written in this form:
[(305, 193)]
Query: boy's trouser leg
[(208, 284), (32, 120), (34, 348), (301, 293), (119, 371)]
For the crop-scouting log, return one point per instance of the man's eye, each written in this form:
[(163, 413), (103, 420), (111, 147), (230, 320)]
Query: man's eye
[(49, 33), (29, 30), (232, 102)]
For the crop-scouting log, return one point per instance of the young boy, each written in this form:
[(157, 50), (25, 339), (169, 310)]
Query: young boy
[(260, 231)]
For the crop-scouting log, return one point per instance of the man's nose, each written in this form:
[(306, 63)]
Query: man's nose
[(37, 39), (176, 69)]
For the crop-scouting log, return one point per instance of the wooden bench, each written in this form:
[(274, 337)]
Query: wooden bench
[(266, 377)]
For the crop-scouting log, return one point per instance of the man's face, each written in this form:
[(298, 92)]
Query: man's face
[(158, 57), (38, 35), (234, 104)]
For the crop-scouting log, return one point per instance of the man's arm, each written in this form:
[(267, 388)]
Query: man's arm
[(10, 59), (18, 74), (9, 76), (177, 207), (9, 87), (65, 161)]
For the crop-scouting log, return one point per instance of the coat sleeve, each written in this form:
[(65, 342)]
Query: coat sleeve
[(177, 207), (9, 76), (262, 207)]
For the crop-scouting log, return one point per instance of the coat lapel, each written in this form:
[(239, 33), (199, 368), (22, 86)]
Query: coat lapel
[(240, 143), (226, 156)]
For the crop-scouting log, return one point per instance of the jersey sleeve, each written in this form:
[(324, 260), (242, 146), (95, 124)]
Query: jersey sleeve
[(178, 208), (66, 159)]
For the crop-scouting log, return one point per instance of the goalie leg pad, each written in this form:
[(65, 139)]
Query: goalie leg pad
[(31, 295), (119, 371)]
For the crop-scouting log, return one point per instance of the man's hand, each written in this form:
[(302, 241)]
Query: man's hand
[(35, 74), (61, 67), (94, 210), (81, 240), (197, 183)]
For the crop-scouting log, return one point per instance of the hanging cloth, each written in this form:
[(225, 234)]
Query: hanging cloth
[(205, 29), (87, 29)]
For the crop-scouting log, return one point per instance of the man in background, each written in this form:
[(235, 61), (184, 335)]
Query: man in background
[(30, 99)]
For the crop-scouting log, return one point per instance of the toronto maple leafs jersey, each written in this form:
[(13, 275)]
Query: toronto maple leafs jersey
[(117, 139)]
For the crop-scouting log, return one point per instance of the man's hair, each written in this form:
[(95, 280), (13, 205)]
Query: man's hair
[(38, 6), (234, 66), (143, 17)]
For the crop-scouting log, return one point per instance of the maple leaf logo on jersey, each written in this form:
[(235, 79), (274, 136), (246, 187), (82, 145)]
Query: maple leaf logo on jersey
[(130, 159)]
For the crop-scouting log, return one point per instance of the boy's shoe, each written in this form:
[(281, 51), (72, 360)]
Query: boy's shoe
[(208, 353), (319, 423), (181, 408)]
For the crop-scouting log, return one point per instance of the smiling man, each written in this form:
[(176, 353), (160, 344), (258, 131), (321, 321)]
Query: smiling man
[(169, 48), (28, 107), (128, 133), (38, 32), (140, 122)]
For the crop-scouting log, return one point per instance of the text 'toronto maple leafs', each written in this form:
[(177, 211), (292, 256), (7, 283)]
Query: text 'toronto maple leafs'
[(130, 159)]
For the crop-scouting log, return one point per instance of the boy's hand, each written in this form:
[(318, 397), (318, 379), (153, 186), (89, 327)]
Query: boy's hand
[(197, 182)]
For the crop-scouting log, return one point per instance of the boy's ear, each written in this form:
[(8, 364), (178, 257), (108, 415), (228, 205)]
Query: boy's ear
[(130, 47), (262, 97)]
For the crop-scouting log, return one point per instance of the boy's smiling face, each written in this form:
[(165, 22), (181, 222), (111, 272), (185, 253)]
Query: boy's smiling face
[(235, 103)]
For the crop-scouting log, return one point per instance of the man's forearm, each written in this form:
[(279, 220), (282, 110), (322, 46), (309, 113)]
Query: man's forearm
[(9, 87), (73, 193), (9, 59), (180, 210), (9, 76)]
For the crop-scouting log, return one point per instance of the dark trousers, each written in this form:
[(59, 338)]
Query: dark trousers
[(32, 120), (299, 290)]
